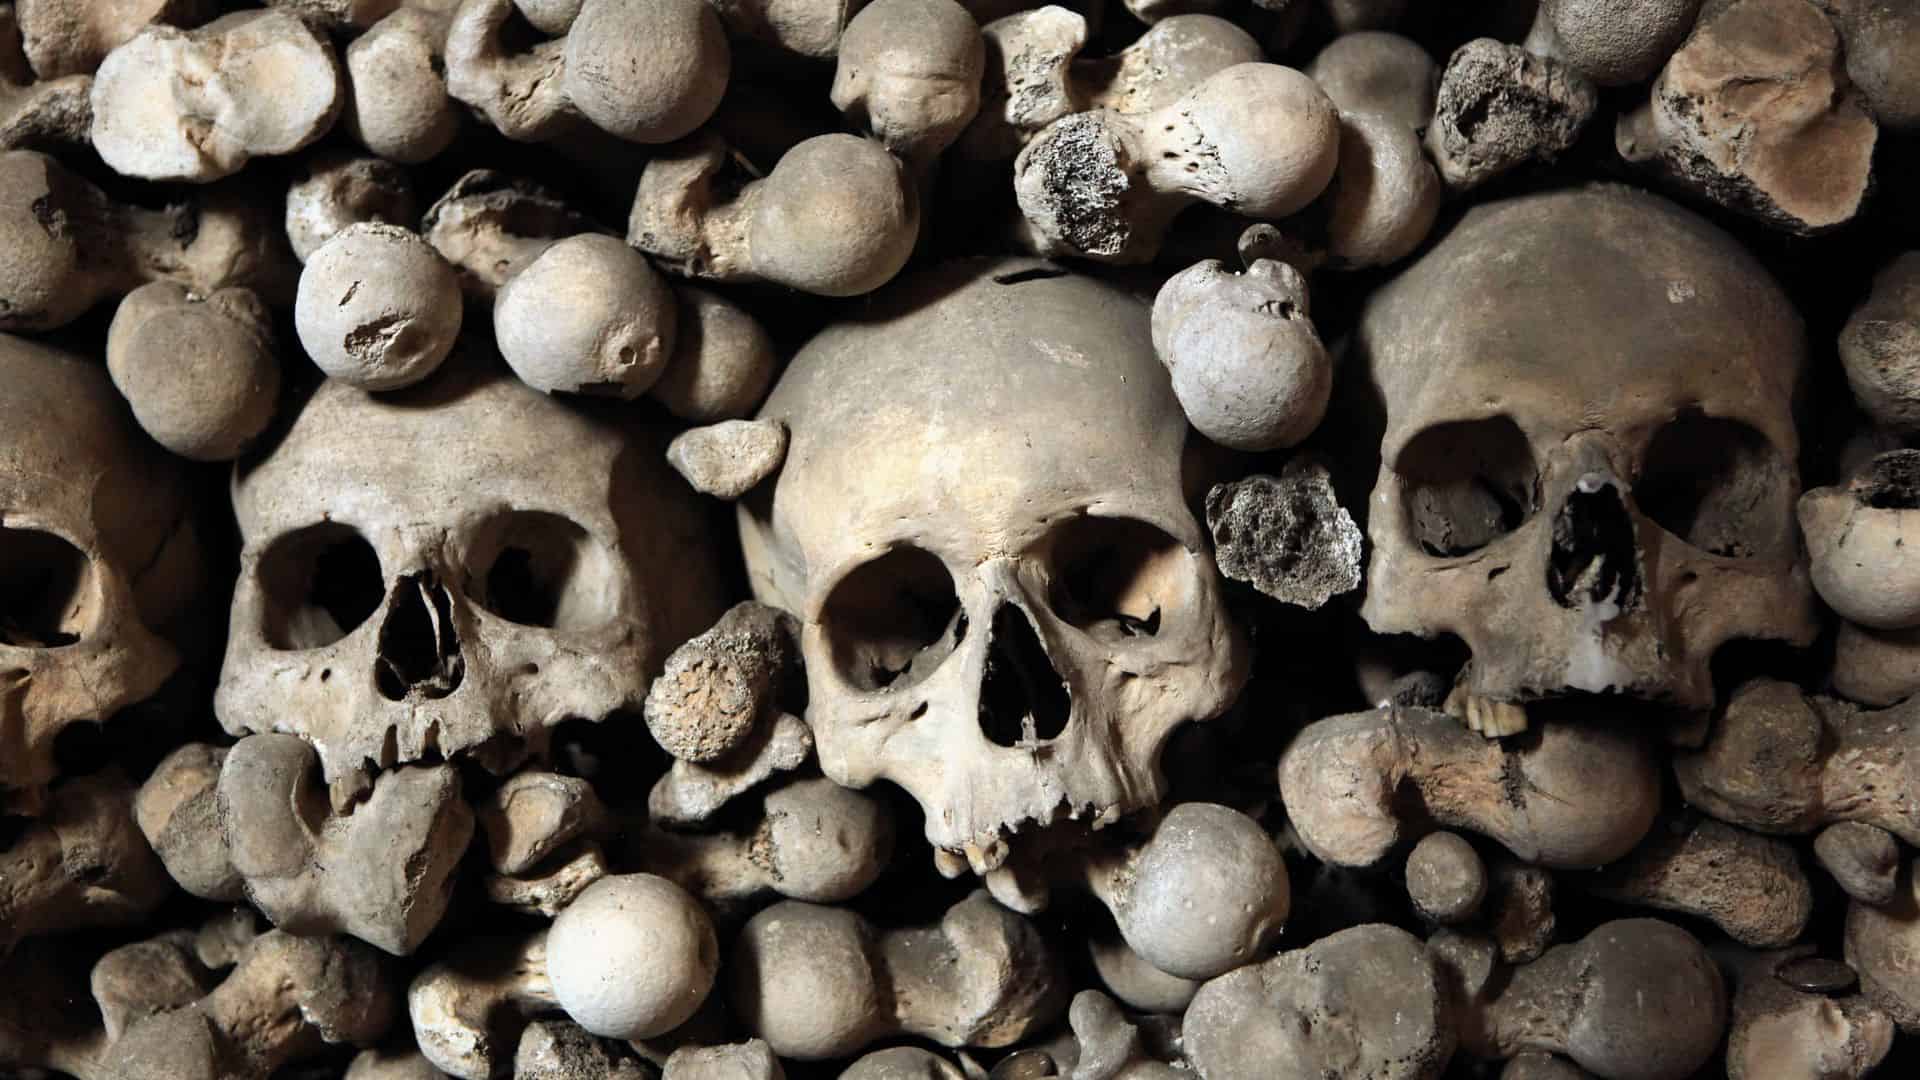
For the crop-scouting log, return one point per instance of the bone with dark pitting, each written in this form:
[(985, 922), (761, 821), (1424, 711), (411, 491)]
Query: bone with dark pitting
[(1287, 536)]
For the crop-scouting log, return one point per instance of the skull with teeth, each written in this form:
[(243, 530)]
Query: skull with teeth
[(454, 569), (1006, 602), (98, 554), (1588, 471)]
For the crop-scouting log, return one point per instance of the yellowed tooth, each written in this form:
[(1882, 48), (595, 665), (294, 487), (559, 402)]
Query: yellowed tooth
[(1493, 719)]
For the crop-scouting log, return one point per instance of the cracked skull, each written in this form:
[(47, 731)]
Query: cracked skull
[(454, 569), (1588, 471), (97, 555), (1006, 602)]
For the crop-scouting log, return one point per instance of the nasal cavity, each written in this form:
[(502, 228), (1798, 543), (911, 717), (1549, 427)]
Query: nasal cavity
[(419, 651), (1023, 700), (1595, 558)]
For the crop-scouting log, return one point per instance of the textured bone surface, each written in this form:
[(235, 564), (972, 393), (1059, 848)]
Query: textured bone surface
[(1287, 536)]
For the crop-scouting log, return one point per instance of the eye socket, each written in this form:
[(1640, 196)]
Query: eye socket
[(1116, 578), (1466, 484), (47, 594), (892, 621), (541, 569), (1717, 484), (321, 583)]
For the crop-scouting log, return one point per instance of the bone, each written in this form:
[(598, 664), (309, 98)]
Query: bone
[(1310, 1011), (378, 308), (1776, 1030), (1856, 543), (534, 814), (1246, 361), (548, 888), (1376, 73), (1136, 983), (1612, 44), (1635, 998), (83, 864), (1864, 860), (814, 841), (1519, 909), (1701, 133), (1782, 762), (1750, 886), (1384, 196), (818, 982), (1879, 43), (178, 810), (723, 361), (490, 225), (908, 72), (48, 112), (1883, 944), (382, 872), (1535, 1065), (799, 29), (719, 687), (201, 374), (397, 101), (470, 1011), (71, 37), (1104, 185), (837, 216), (196, 105), (750, 1060), (1876, 668), (338, 189), (728, 459), (338, 16), (609, 70), (1108, 1046), (215, 239), (902, 1063), (1287, 536), (558, 1050), (588, 315), (391, 1064), (689, 794), (632, 957), (1500, 107), (1347, 779), (1445, 878)]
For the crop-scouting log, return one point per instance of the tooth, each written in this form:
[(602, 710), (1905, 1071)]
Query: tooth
[(1494, 719)]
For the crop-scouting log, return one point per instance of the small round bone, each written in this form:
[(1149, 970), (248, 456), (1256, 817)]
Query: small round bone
[(1246, 361), (815, 841), (728, 459), (196, 105), (1105, 185), (200, 374), (819, 982), (1128, 976), (1876, 668), (633, 957), (64, 246), (1856, 543), (1579, 796), (1380, 74), (718, 687), (909, 73), (1750, 886), (837, 216), (1612, 42), (587, 315), (534, 814), (723, 361), (1864, 860), (1445, 878), (1367, 1001), (377, 308), (397, 102), (1637, 999), (1883, 945), (1384, 197), (339, 189)]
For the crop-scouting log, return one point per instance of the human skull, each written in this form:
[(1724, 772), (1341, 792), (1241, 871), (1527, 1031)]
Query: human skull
[(1006, 603), (455, 568), (97, 554), (1589, 468)]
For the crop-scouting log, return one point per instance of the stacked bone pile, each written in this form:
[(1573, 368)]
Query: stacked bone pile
[(938, 539)]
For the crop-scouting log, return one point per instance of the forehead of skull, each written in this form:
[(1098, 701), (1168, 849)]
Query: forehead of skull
[(1597, 307), (971, 403), (70, 453), (470, 439)]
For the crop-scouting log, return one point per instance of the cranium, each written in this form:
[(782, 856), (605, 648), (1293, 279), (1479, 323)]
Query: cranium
[(455, 568), (97, 553), (1588, 471), (1006, 602)]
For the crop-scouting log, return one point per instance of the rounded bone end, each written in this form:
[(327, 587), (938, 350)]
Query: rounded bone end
[(1856, 543), (589, 315), (1445, 878), (1276, 136), (723, 360), (397, 102), (44, 279), (828, 843), (1379, 73), (1654, 1004), (633, 957), (804, 980), (838, 217), (909, 71), (1208, 892), (1883, 945), (648, 73), (200, 375), (377, 307)]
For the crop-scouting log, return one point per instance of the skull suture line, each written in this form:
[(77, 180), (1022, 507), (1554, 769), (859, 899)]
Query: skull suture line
[(1589, 466), (97, 553), (1006, 603), (455, 568)]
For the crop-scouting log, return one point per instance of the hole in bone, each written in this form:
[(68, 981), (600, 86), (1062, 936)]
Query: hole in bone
[(1891, 481), (419, 650), (544, 570), (1595, 558), (1023, 700), (892, 621), (47, 594), (1466, 484), (1113, 578), (1717, 484), (321, 583), (1020, 277)]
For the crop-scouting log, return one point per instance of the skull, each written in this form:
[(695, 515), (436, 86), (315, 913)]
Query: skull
[(454, 569), (97, 553), (1588, 469), (1006, 604)]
